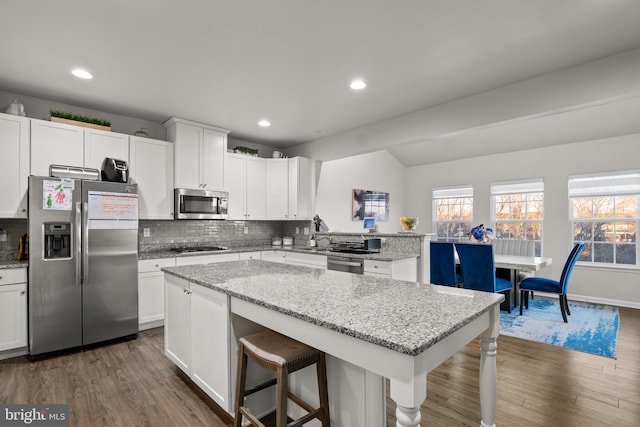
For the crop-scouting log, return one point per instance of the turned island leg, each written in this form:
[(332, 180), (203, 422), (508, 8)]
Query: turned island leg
[(488, 372), (409, 397)]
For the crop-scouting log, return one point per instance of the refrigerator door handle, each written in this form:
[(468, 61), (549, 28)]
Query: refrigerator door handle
[(78, 244), (85, 243)]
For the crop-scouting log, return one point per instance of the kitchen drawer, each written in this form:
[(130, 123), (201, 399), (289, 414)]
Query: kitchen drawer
[(307, 259), (380, 267), (10, 276), (207, 259), (149, 265), (250, 255)]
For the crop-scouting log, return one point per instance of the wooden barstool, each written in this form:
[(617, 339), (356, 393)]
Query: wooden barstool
[(281, 355)]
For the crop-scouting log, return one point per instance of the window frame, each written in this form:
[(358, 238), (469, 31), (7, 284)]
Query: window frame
[(521, 187), (608, 185), (460, 194)]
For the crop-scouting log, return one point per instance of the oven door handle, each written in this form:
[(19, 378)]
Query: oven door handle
[(346, 263)]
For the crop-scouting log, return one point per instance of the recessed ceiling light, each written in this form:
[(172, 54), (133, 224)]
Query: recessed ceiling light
[(82, 74), (264, 123), (358, 84)]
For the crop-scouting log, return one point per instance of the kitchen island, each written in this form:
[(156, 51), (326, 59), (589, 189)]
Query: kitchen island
[(387, 328)]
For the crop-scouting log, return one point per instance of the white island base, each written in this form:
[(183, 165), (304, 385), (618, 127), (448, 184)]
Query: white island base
[(356, 369)]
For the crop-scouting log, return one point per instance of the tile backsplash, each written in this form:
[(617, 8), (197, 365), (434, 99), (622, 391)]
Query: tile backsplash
[(14, 229), (167, 234)]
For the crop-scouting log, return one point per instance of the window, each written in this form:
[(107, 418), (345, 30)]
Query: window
[(517, 211), (452, 212), (604, 214)]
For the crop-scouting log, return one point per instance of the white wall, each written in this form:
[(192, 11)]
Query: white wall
[(378, 171), (554, 165)]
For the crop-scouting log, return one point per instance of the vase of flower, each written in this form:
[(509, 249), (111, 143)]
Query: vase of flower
[(408, 224)]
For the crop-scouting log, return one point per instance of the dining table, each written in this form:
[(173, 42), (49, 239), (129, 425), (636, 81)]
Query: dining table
[(516, 264)]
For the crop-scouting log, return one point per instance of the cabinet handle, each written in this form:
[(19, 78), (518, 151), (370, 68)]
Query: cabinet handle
[(24, 210), (157, 265), (1, 277), (375, 266), (22, 292)]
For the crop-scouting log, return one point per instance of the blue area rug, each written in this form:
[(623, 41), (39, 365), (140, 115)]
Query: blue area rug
[(592, 328)]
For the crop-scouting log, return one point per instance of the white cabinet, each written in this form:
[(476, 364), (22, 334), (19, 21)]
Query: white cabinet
[(404, 269), (307, 259), (151, 167), (200, 153), (151, 292), (197, 336), (207, 259), (249, 255), (99, 144), (14, 166), (57, 144), (245, 182), (13, 308), (63, 144), (301, 188), (277, 182)]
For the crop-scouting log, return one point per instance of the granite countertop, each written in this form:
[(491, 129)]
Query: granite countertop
[(399, 315), (383, 256), (13, 264)]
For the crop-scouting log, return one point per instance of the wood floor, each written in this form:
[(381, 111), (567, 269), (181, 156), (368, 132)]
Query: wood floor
[(132, 384)]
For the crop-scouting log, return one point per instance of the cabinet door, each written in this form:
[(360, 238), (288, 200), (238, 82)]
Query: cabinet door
[(151, 163), (256, 188), (210, 343), (235, 181), (55, 144), (301, 192), (187, 156), (277, 171), (99, 144), (213, 154), (176, 321), (150, 297), (14, 166), (13, 316)]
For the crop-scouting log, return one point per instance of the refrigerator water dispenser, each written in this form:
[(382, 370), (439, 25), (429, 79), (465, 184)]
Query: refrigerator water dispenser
[(57, 240)]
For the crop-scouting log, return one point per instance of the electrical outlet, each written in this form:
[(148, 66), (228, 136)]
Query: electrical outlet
[(297, 230), (306, 231), (146, 232), (246, 230)]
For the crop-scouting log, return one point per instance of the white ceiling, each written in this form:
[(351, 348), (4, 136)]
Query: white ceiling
[(232, 63)]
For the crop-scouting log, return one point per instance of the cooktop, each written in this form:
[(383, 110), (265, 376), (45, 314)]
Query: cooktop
[(199, 249)]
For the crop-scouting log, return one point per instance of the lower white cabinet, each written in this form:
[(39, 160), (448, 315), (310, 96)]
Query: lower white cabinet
[(13, 309), (151, 292), (196, 336), (207, 259), (404, 269), (306, 259), (250, 255)]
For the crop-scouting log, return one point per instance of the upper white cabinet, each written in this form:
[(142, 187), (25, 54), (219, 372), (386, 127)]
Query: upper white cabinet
[(274, 189), (200, 153), (245, 182), (151, 167), (55, 144), (301, 188), (62, 144), (14, 166), (277, 179)]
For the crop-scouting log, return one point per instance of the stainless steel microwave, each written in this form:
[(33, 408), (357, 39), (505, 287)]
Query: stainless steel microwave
[(200, 204)]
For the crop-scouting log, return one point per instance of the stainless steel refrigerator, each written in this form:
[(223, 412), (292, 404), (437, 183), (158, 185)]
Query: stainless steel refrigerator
[(83, 262)]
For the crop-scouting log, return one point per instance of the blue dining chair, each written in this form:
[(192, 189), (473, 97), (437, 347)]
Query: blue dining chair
[(479, 271), (542, 284), (443, 264)]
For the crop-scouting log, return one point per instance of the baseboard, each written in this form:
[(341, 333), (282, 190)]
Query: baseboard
[(594, 300), (14, 352), (150, 325)]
